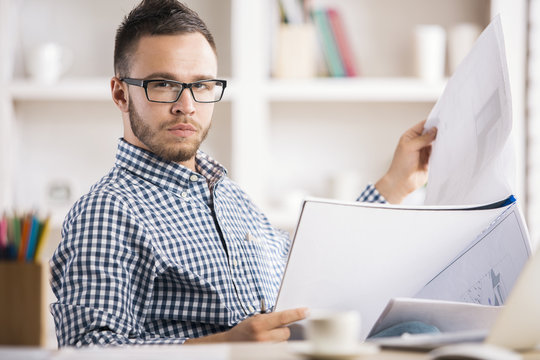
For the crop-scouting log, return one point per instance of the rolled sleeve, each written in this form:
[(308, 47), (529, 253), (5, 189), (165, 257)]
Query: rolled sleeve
[(371, 195)]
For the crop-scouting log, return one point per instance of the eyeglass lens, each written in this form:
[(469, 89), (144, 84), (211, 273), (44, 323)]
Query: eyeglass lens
[(167, 91)]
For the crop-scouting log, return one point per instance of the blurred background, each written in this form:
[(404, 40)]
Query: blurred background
[(290, 125)]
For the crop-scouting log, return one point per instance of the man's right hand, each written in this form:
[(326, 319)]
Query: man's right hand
[(260, 327)]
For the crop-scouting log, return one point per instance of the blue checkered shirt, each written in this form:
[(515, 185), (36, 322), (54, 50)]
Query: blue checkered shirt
[(157, 253)]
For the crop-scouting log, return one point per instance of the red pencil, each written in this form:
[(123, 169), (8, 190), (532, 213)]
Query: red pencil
[(27, 221)]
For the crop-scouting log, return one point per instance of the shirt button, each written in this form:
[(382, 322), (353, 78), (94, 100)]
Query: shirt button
[(194, 178), (250, 237), (235, 263), (251, 308), (184, 194)]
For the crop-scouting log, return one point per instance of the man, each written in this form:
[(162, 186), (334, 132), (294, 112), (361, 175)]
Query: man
[(166, 248)]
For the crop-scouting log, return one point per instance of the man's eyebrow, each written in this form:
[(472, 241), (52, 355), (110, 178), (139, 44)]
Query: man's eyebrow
[(169, 76), (160, 75)]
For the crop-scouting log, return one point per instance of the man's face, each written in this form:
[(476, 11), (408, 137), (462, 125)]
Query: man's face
[(173, 131)]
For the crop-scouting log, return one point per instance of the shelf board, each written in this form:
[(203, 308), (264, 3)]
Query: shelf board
[(82, 89), (66, 89), (355, 89), (280, 90)]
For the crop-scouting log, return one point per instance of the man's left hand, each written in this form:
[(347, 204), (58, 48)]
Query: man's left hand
[(409, 168)]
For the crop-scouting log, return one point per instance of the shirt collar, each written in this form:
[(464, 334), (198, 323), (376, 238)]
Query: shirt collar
[(166, 174)]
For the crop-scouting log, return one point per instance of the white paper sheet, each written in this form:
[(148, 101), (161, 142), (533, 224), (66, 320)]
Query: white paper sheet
[(472, 160), (485, 272)]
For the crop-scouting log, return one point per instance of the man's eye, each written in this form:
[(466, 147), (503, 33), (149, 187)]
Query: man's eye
[(163, 84), (200, 86)]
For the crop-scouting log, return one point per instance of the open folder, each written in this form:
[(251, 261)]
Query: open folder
[(359, 256), (515, 325)]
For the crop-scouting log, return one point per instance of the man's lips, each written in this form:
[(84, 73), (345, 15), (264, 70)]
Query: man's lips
[(183, 130)]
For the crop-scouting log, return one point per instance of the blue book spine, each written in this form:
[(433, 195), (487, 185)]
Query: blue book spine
[(329, 44)]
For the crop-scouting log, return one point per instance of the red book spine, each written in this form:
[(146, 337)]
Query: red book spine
[(344, 49)]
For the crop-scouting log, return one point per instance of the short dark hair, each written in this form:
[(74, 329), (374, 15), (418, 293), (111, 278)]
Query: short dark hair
[(154, 17)]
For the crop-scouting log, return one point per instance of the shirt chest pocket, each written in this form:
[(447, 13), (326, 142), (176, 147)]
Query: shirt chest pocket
[(265, 263), (257, 247)]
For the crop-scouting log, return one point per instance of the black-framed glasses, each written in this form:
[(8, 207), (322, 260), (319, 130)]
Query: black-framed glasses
[(169, 91)]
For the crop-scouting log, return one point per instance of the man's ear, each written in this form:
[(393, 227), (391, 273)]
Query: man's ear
[(120, 94)]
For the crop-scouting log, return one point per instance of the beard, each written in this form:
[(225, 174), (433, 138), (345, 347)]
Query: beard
[(180, 150)]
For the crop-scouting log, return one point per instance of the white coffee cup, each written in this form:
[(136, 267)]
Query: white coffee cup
[(333, 332), (430, 52), (48, 62)]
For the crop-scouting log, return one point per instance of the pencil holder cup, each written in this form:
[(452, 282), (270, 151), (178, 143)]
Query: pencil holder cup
[(23, 303), (296, 52)]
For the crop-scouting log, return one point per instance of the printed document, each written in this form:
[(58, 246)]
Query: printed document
[(466, 295), (485, 272), (472, 160)]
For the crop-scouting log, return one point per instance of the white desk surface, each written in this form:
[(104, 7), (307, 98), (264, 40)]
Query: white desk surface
[(282, 351), (236, 351)]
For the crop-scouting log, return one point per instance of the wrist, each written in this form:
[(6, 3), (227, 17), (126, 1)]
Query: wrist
[(390, 189), (209, 339)]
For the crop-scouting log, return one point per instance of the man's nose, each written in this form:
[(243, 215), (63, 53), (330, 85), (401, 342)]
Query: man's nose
[(185, 104)]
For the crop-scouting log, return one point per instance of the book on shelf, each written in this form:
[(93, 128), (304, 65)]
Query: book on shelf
[(335, 45), (343, 45), (332, 56), (291, 11), (328, 43)]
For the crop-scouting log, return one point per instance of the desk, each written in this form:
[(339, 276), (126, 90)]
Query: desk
[(236, 351), (282, 351)]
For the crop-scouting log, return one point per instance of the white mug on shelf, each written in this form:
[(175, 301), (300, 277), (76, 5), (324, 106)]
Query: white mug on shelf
[(430, 52), (461, 38), (47, 62)]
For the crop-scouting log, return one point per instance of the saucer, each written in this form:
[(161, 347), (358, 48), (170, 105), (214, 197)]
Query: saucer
[(361, 350)]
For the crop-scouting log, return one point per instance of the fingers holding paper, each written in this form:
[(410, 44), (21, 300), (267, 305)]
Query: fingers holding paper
[(267, 327), (409, 168), (261, 327)]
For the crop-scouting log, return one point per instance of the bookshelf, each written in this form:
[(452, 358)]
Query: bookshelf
[(300, 127)]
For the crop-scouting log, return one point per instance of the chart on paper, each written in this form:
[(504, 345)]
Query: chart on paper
[(486, 271), (490, 289)]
